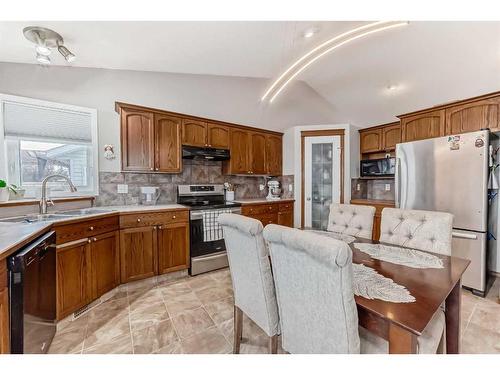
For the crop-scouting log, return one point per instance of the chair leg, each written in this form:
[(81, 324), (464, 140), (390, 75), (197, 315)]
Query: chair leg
[(238, 329), (273, 344)]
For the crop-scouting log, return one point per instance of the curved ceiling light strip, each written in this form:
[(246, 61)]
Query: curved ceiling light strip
[(391, 25), (277, 81)]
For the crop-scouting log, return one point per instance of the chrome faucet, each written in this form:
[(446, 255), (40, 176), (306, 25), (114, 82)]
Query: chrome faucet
[(44, 202)]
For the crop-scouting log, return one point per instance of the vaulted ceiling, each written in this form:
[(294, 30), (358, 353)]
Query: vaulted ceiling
[(426, 63)]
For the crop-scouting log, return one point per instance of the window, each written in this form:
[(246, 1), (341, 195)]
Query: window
[(42, 138)]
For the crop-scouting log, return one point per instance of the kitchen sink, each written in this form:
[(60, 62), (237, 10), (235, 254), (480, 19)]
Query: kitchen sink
[(84, 211), (35, 218)]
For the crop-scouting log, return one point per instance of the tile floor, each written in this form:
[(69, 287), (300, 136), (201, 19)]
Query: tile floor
[(195, 315)]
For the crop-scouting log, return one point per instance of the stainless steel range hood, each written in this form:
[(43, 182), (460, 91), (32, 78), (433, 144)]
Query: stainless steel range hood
[(191, 152)]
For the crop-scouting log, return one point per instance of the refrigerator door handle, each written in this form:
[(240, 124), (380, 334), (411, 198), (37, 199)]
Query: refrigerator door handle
[(464, 235), (398, 184)]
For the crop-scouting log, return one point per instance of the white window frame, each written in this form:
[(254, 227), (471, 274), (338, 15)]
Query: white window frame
[(43, 103)]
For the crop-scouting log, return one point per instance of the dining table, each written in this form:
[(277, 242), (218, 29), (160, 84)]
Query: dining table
[(401, 323)]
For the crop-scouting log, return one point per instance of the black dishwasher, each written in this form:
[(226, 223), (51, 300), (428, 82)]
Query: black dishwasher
[(32, 294)]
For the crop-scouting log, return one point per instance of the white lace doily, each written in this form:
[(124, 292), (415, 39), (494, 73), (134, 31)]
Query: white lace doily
[(338, 236), (369, 284), (400, 255)]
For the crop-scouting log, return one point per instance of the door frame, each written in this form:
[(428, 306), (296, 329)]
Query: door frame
[(319, 133)]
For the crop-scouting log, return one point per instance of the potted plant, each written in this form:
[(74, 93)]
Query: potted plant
[(16, 192), (4, 191)]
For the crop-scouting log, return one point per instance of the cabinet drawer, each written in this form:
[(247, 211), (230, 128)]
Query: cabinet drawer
[(257, 209), (3, 274), (153, 218), (83, 229), (285, 207)]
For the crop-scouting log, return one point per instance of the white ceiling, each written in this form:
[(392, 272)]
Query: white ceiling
[(429, 62)]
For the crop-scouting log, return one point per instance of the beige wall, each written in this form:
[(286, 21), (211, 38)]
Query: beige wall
[(232, 99)]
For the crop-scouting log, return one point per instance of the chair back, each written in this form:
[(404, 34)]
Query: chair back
[(250, 268), (313, 278), (424, 230), (353, 219)]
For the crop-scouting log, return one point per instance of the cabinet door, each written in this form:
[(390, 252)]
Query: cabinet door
[(4, 321), (240, 149), (137, 140), (138, 253), (105, 258), (173, 247), (370, 140), (194, 133), (286, 218), (257, 153), (218, 136), (473, 116), (422, 126), (391, 135), (274, 155), (73, 277), (168, 144)]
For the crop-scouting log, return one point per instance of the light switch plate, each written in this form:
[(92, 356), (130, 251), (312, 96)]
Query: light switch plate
[(387, 187), (261, 187), (358, 187), (290, 187), (122, 189)]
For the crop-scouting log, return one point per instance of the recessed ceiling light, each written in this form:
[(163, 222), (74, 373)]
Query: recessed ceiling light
[(392, 87), (309, 33)]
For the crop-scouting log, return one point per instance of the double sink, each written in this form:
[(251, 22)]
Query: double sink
[(36, 218)]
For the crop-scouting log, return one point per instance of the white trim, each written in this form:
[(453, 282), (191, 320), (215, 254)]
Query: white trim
[(65, 107)]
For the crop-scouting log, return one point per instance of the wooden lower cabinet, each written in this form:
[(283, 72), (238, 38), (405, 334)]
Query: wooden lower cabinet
[(105, 263), (73, 276), (138, 253), (4, 321), (173, 247), (270, 213)]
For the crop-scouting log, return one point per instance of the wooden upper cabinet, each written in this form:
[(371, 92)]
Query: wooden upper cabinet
[(137, 140), (138, 255), (370, 140), (168, 153), (105, 263), (423, 126), (74, 287), (240, 149), (217, 136), (468, 117), (173, 247), (194, 133), (274, 155), (391, 135), (257, 153)]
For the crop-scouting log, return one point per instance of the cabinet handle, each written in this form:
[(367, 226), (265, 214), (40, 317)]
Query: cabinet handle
[(89, 241), (160, 227), (173, 216), (151, 168), (95, 239), (91, 228), (156, 169), (154, 227), (209, 145), (138, 220)]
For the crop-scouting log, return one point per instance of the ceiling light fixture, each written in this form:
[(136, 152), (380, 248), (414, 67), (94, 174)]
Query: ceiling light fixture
[(44, 40), (375, 27)]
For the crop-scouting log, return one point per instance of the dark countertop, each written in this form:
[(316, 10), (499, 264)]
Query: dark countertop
[(15, 235), (262, 200)]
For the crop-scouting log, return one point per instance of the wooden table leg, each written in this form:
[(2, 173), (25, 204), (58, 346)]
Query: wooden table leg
[(453, 315), (401, 341)]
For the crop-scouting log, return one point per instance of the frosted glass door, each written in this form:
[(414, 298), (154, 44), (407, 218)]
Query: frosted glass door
[(322, 179)]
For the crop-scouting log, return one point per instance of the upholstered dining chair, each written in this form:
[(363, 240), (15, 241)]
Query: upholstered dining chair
[(352, 219), (253, 285), (423, 230), (313, 279)]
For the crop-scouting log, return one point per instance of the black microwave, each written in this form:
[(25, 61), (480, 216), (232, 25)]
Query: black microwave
[(378, 167)]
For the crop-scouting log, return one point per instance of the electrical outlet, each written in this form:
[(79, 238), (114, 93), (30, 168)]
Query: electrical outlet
[(387, 187), (358, 187), (290, 188), (261, 187), (122, 189)]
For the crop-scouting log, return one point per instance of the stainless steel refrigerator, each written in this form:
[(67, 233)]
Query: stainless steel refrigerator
[(450, 174)]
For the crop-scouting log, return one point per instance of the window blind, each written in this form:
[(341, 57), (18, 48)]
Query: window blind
[(26, 120)]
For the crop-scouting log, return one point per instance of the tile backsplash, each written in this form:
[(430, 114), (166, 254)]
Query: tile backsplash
[(372, 189), (194, 172)]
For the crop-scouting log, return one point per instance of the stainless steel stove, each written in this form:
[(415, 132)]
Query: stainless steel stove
[(207, 247)]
